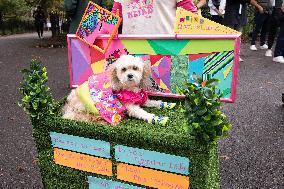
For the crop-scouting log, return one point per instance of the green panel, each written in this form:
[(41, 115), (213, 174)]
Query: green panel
[(168, 46), (208, 46), (138, 46), (179, 74)]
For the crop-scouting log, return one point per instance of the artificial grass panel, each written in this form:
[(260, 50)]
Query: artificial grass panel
[(171, 139)]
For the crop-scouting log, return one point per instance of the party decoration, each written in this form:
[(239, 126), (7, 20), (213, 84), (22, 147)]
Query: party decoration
[(189, 23), (170, 67), (96, 21)]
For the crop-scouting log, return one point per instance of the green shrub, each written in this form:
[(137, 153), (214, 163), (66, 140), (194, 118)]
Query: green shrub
[(202, 108), (37, 100)]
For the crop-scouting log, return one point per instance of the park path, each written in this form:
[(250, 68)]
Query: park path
[(251, 157)]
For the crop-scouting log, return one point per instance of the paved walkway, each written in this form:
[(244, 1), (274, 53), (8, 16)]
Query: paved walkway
[(252, 157)]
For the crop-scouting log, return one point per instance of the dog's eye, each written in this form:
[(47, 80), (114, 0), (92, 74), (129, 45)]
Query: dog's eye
[(123, 69), (135, 68)]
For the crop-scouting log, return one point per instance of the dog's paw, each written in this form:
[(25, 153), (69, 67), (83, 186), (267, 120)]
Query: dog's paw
[(167, 105), (161, 120)]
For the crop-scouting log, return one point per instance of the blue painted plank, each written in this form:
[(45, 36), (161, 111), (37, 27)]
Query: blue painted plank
[(79, 144), (152, 159), (98, 183)]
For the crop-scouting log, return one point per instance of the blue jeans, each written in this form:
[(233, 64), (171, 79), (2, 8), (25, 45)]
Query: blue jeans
[(260, 26)]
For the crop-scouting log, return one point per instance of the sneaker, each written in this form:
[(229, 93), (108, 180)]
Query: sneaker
[(279, 59), (268, 53), (167, 105), (161, 120), (253, 48), (263, 47)]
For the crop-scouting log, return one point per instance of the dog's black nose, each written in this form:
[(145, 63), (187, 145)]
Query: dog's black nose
[(130, 76)]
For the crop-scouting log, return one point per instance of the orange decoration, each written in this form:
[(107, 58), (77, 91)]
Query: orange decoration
[(83, 162), (151, 178), (204, 83)]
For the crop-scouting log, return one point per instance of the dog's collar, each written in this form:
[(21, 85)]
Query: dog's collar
[(130, 97)]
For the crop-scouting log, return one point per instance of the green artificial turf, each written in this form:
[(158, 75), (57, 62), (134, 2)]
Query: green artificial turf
[(171, 139)]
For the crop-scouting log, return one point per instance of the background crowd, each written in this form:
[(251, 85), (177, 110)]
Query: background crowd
[(263, 19), (267, 18)]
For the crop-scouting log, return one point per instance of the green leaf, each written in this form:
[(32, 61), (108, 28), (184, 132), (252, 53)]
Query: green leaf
[(207, 118), (202, 111), (196, 125), (197, 101)]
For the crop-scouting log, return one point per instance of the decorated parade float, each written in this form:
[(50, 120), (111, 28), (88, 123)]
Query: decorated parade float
[(185, 69)]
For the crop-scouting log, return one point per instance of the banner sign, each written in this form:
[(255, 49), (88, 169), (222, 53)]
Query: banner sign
[(152, 159), (79, 144), (83, 162), (99, 183), (151, 178)]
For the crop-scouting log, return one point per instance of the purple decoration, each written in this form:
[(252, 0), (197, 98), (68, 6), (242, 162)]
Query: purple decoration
[(79, 62)]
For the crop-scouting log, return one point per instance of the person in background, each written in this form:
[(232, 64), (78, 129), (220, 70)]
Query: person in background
[(260, 23), (75, 10), (279, 47), (217, 10), (235, 15), (150, 16), (39, 21), (273, 25), (199, 4)]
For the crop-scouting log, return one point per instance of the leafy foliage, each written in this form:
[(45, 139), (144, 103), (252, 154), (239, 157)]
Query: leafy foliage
[(13, 8), (37, 100), (202, 108)]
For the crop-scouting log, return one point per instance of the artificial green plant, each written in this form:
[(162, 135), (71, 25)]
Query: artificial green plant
[(205, 120), (37, 100)]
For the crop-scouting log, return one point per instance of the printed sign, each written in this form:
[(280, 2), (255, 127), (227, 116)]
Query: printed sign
[(96, 21), (80, 144), (83, 162), (152, 159), (190, 23), (98, 183), (151, 178)]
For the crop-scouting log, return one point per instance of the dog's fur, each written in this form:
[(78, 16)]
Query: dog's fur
[(120, 79), (129, 65)]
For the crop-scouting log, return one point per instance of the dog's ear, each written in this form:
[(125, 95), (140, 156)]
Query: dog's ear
[(145, 82), (114, 81)]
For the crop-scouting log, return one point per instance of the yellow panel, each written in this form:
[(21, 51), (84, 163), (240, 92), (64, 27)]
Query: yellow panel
[(98, 67), (83, 162), (190, 23), (151, 178)]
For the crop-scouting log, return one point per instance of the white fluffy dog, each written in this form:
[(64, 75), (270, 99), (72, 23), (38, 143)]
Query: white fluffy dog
[(129, 80)]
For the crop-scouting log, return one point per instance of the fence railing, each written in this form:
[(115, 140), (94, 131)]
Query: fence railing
[(12, 26)]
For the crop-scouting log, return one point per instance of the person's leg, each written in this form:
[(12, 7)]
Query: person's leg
[(257, 27), (41, 29), (216, 18), (264, 21), (38, 30), (279, 47), (272, 30)]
